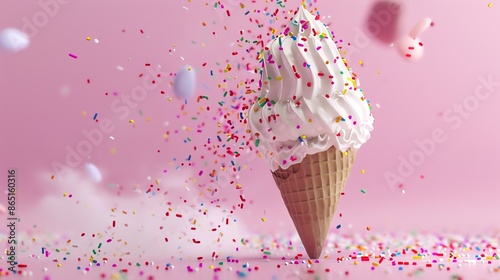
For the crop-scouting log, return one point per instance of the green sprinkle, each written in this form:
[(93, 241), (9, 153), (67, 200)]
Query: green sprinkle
[(257, 142), (341, 72), (221, 263), (93, 251), (267, 253), (138, 264), (99, 247), (363, 191)]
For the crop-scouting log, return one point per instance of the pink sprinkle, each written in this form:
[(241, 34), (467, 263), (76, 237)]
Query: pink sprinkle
[(201, 172), (73, 56)]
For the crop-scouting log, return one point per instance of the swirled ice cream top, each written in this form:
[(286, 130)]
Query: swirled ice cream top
[(310, 100)]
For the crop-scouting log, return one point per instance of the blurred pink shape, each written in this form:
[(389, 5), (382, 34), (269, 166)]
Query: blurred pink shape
[(383, 21), (410, 46), (3, 210), (420, 27)]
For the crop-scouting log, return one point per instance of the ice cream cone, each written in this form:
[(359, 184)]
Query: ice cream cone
[(311, 191)]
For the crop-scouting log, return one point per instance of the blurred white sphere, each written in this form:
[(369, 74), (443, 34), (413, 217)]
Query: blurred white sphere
[(13, 40)]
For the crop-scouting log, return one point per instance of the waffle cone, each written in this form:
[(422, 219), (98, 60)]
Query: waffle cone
[(311, 192)]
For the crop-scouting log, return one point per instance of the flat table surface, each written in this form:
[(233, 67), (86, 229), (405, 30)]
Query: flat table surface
[(354, 256)]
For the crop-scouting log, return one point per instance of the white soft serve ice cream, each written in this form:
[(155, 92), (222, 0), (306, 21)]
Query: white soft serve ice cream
[(310, 100)]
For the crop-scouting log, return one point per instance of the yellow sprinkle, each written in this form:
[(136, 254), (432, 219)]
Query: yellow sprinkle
[(59, 265), (211, 267), (489, 5), (417, 257), (65, 194), (263, 219), (279, 78), (338, 119), (84, 113), (378, 71), (310, 120), (88, 38), (355, 263), (131, 121), (360, 62), (303, 137), (239, 186), (169, 99), (362, 171), (374, 263), (346, 153)]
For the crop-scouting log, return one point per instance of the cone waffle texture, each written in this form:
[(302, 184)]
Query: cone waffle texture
[(311, 192)]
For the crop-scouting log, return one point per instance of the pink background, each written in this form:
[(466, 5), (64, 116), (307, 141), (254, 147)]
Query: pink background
[(44, 92)]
